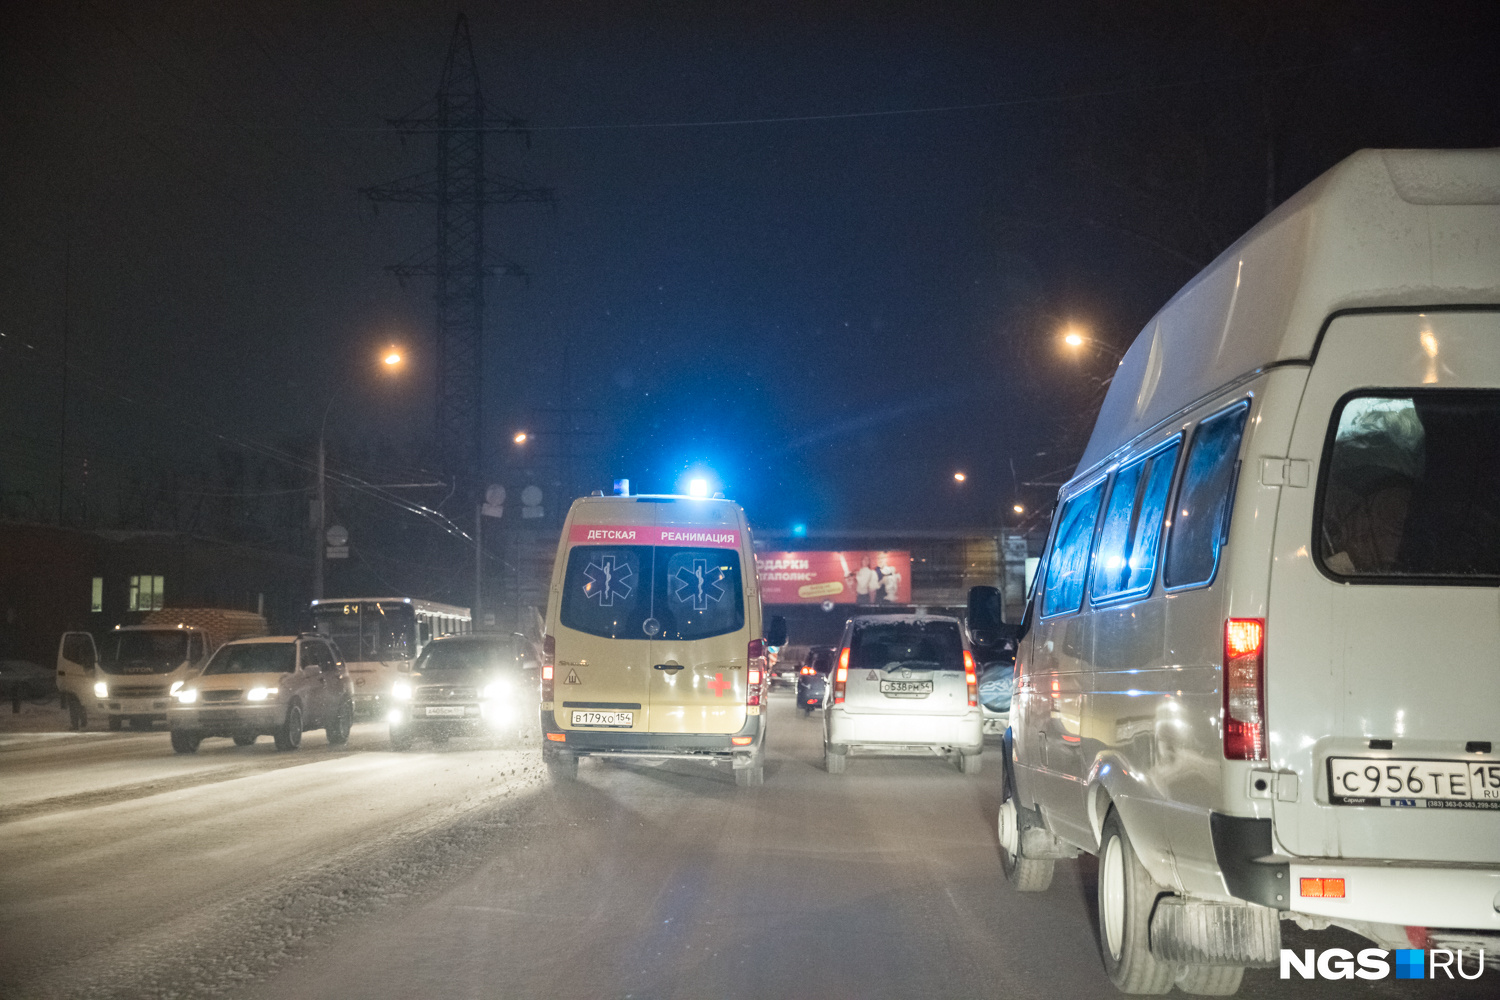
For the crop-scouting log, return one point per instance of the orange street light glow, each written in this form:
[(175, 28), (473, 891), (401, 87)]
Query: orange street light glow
[(959, 477), (393, 358), (1073, 340), (520, 437), (1019, 509)]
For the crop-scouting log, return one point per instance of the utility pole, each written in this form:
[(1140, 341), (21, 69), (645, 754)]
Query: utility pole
[(460, 189)]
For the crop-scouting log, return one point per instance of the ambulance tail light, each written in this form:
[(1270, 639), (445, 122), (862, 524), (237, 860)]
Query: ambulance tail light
[(971, 679), (1244, 689), (755, 659), (549, 665), (841, 676)]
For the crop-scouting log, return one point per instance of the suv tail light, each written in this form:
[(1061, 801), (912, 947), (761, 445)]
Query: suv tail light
[(841, 676), (1244, 689), (755, 659), (971, 679), (549, 665)]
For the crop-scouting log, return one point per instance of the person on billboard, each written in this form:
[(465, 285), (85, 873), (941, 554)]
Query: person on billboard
[(866, 581), (890, 581)]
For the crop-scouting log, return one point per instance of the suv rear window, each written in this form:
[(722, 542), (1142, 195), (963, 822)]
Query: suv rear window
[(652, 592), (916, 645), (1411, 488)]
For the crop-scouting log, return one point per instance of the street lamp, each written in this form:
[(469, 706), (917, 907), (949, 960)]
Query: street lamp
[(393, 360), (959, 477), (1075, 338), (521, 437)]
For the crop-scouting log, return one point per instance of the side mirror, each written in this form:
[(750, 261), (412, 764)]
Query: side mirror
[(986, 626), (776, 631)]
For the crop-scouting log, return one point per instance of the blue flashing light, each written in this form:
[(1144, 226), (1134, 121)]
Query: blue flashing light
[(799, 530), (622, 487)]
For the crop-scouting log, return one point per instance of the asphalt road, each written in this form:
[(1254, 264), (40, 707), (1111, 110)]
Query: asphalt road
[(459, 872)]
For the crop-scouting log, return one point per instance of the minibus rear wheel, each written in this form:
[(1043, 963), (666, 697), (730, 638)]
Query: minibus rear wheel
[(1127, 895)]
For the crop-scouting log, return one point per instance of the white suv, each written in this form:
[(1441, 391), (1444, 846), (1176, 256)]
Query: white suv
[(903, 685)]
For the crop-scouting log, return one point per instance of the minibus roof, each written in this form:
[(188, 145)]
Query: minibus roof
[(1383, 228)]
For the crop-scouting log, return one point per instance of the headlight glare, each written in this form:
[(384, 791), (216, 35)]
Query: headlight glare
[(260, 694), (101, 689), (401, 691), (496, 690), (187, 695)]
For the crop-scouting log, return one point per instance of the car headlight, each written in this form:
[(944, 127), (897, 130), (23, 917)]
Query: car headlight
[(495, 690), (401, 691), (187, 695), (101, 690), (176, 686), (260, 694)]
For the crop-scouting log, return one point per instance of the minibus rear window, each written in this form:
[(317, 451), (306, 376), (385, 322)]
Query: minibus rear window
[(646, 592), (1411, 488), (1200, 522)]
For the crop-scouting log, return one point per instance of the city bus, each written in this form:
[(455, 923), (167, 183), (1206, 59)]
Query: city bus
[(380, 637)]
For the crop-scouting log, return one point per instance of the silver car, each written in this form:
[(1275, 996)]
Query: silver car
[(904, 684)]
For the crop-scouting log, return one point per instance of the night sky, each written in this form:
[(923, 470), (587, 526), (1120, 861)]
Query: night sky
[(823, 250)]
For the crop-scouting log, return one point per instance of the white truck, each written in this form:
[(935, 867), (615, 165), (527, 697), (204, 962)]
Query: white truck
[(131, 673)]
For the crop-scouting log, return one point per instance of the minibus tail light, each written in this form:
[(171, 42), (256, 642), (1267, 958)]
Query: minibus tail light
[(1244, 689), (971, 679), (549, 665), (841, 676), (755, 658)]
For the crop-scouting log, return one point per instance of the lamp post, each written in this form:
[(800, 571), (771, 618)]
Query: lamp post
[(392, 360), (1075, 339)]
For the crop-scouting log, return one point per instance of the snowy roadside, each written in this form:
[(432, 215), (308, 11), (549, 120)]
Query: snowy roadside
[(221, 947)]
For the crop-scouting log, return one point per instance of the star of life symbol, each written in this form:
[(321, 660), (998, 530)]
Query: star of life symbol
[(606, 581), (694, 587)]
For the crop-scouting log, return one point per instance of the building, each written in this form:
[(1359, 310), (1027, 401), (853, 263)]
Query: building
[(55, 579)]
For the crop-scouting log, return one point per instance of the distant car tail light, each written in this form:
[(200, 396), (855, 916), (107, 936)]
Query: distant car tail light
[(755, 658), (549, 665), (971, 679), (1244, 689), (841, 676)]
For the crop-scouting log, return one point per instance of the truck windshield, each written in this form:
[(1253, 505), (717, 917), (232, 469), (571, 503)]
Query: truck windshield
[(1411, 489), (653, 592), (254, 658), (367, 631), (143, 652)]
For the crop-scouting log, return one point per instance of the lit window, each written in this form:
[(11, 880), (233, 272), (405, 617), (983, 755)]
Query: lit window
[(145, 593), (96, 600)]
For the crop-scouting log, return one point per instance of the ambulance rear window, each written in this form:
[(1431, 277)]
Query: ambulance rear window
[(1411, 488), (653, 592)]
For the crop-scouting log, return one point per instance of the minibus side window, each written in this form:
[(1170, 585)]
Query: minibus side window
[(607, 590), (1200, 524), (1068, 566), (1411, 489), (1125, 563)]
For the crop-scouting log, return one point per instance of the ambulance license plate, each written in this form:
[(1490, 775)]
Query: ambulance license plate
[(613, 720), (1430, 784)]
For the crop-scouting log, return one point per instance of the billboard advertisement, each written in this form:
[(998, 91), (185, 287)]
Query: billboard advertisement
[(840, 577)]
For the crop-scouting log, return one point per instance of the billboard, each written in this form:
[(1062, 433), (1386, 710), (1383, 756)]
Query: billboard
[(840, 577)]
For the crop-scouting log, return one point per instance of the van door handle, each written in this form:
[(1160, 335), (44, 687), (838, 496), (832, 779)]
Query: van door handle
[(670, 668)]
